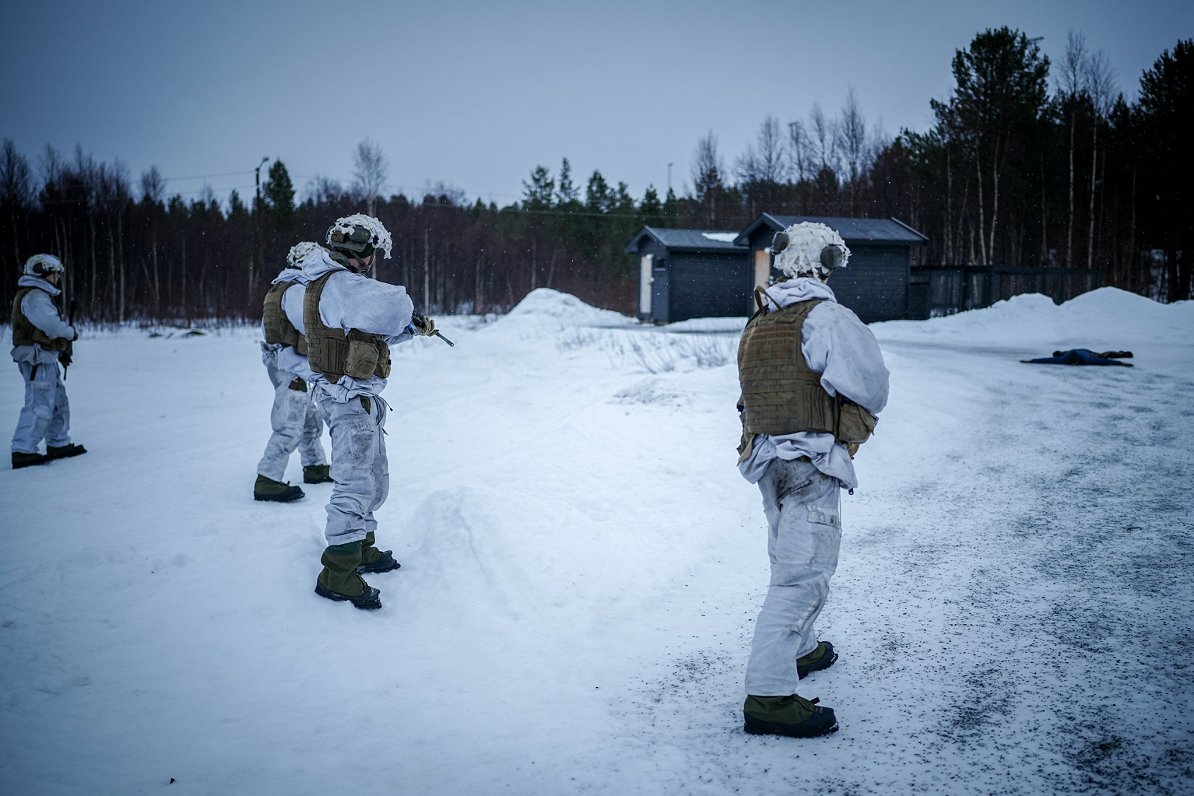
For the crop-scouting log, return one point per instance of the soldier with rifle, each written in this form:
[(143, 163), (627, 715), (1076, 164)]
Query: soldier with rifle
[(40, 340), (351, 322), (294, 420)]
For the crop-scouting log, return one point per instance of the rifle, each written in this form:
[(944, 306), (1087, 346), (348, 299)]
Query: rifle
[(420, 319), (66, 356)]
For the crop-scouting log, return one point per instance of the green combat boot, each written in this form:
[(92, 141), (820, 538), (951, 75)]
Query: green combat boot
[(21, 459), (339, 580), (374, 560), (822, 657), (793, 716), (317, 474), (269, 489)]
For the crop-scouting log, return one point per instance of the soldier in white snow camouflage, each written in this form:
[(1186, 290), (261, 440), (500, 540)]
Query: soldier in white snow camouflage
[(351, 322), (294, 419), (812, 379), (40, 340)]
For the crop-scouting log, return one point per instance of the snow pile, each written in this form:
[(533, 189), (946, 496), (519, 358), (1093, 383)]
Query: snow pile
[(543, 303), (1103, 319), (1109, 309)]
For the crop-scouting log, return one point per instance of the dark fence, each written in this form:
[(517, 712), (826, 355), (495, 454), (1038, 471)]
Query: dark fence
[(933, 292)]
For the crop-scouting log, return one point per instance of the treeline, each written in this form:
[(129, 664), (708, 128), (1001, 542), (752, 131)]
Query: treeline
[(1011, 173), (1027, 164)]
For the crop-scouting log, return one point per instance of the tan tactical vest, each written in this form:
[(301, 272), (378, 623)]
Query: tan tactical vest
[(25, 333), (781, 394), (334, 353), (278, 328)]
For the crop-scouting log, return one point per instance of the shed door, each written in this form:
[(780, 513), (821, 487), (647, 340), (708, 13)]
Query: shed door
[(762, 268), (644, 284), (762, 277)]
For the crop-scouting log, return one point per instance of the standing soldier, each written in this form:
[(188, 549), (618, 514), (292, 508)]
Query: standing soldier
[(294, 418), (351, 321), (812, 379), (40, 339)]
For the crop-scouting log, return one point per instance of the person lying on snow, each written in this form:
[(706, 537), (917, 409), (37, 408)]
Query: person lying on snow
[(1083, 356)]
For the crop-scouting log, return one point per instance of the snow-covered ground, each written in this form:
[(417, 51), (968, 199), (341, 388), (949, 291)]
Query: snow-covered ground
[(582, 564)]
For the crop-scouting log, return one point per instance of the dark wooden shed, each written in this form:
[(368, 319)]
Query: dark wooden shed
[(690, 273), (875, 281)]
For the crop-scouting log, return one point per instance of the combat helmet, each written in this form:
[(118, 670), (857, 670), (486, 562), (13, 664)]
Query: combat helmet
[(359, 236), (299, 252), (42, 265), (809, 249)]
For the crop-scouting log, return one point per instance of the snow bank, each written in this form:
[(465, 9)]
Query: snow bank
[(547, 303), (1103, 319)]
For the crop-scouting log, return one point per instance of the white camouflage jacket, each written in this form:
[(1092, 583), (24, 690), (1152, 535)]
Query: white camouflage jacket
[(285, 357), (844, 351), (354, 301), (38, 306)]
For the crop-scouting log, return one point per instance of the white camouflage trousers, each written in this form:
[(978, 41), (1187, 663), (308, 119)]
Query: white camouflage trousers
[(46, 413), (296, 424), (803, 509), (359, 466)]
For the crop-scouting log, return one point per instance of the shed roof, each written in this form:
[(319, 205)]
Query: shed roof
[(852, 230), (686, 240)]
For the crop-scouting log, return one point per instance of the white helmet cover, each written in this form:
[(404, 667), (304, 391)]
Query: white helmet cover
[(809, 249), (348, 233), (299, 252), (43, 265)]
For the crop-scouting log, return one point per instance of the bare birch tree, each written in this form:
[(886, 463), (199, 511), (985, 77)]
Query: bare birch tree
[(1070, 80), (824, 142), (1100, 81), (765, 160), (368, 174), (16, 189), (707, 179), (853, 144)]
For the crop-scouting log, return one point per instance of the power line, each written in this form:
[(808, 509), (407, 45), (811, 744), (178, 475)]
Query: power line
[(207, 176)]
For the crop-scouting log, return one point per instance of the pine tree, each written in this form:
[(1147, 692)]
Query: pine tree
[(278, 193), (1167, 116), (538, 194)]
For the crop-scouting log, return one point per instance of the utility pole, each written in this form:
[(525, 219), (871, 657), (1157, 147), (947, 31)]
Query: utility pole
[(257, 219)]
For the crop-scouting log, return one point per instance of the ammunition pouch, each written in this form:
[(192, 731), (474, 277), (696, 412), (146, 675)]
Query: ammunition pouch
[(367, 355), (854, 424)]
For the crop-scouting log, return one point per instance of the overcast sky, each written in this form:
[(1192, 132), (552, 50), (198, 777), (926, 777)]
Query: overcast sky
[(476, 94)]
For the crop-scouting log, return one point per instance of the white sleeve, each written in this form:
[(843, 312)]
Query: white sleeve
[(846, 354), (351, 301), (292, 305), (39, 309)]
